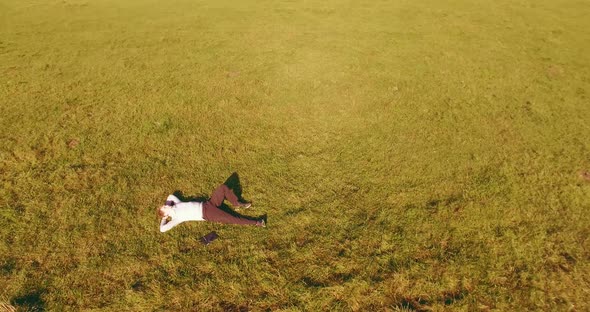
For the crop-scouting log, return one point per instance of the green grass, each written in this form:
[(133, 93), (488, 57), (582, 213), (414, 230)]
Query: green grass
[(411, 155)]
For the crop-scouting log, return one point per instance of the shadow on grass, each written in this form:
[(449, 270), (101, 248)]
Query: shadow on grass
[(233, 182), (32, 301)]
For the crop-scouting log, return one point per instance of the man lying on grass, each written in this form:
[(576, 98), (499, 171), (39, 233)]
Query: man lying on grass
[(175, 211)]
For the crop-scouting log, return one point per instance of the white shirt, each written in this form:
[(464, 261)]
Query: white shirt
[(182, 211)]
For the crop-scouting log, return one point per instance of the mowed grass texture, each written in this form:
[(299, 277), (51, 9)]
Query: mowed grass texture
[(410, 155)]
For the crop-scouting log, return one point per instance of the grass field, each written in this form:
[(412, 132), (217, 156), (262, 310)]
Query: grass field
[(410, 155)]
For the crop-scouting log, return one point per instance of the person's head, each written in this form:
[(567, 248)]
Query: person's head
[(164, 211)]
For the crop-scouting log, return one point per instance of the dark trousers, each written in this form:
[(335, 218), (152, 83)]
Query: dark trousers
[(212, 212)]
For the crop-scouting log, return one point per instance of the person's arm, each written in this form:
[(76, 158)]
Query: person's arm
[(172, 200), (167, 225)]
